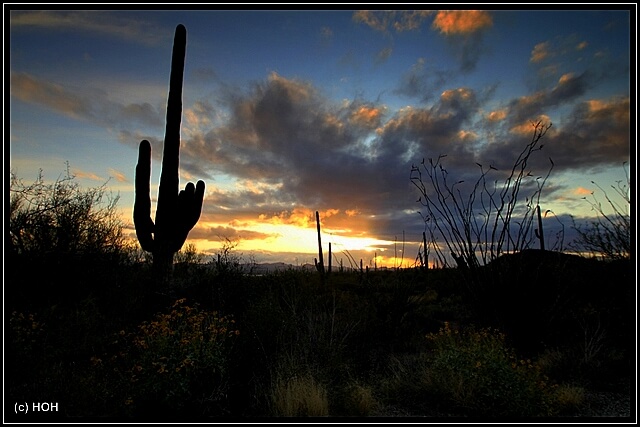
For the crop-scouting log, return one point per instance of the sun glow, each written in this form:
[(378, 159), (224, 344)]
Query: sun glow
[(274, 237)]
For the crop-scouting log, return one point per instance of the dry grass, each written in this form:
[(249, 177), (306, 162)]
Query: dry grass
[(360, 400), (299, 396), (569, 397)]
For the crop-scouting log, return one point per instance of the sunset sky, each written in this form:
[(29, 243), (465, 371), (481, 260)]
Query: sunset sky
[(289, 112)]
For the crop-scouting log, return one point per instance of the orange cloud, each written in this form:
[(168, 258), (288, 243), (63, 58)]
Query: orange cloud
[(328, 213), (496, 116), (467, 136), (29, 89), (617, 109), (580, 191), (119, 176), (527, 128), (461, 93), (410, 19), (400, 20), (86, 175), (539, 52), (369, 18), (367, 116), (299, 217), (582, 45), (461, 21), (565, 78)]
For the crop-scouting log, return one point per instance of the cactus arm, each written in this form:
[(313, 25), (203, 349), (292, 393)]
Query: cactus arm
[(189, 208), (142, 204)]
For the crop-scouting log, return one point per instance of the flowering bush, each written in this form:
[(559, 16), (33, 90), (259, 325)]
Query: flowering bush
[(26, 332), (476, 371), (177, 360), (26, 339)]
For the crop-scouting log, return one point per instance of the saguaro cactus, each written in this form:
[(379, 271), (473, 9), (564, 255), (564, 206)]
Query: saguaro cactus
[(319, 265), (177, 212), (539, 232)]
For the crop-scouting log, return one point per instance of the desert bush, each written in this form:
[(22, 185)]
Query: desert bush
[(609, 235), (480, 225), (569, 398), (176, 362), (299, 396), (358, 399), (475, 371), (62, 218)]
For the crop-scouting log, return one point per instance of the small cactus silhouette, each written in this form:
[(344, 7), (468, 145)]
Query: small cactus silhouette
[(177, 212), (319, 265), (539, 232)]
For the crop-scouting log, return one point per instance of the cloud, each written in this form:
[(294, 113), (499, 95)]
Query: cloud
[(119, 176), (221, 233), (353, 157), (568, 88), (497, 116), (462, 28), (84, 103), (326, 33), (598, 135), (540, 52), (293, 151), (384, 21), (580, 191), (86, 175), (106, 23), (383, 55), (422, 81), (461, 22)]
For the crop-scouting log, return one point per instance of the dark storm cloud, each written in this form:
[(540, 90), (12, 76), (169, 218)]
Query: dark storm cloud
[(422, 81), (321, 155), (309, 152), (598, 135), (355, 156), (568, 88)]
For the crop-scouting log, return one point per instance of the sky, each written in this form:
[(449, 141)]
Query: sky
[(289, 112)]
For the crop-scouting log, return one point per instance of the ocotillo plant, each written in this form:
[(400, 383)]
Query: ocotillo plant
[(176, 213)]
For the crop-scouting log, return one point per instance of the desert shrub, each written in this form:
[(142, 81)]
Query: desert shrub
[(176, 363), (26, 332), (356, 399), (299, 396), (609, 234), (569, 398), (486, 219), (475, 371), (62, 217), (63, 242)]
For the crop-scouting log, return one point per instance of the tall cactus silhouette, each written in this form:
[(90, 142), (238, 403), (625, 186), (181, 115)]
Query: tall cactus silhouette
[(177, 212)]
